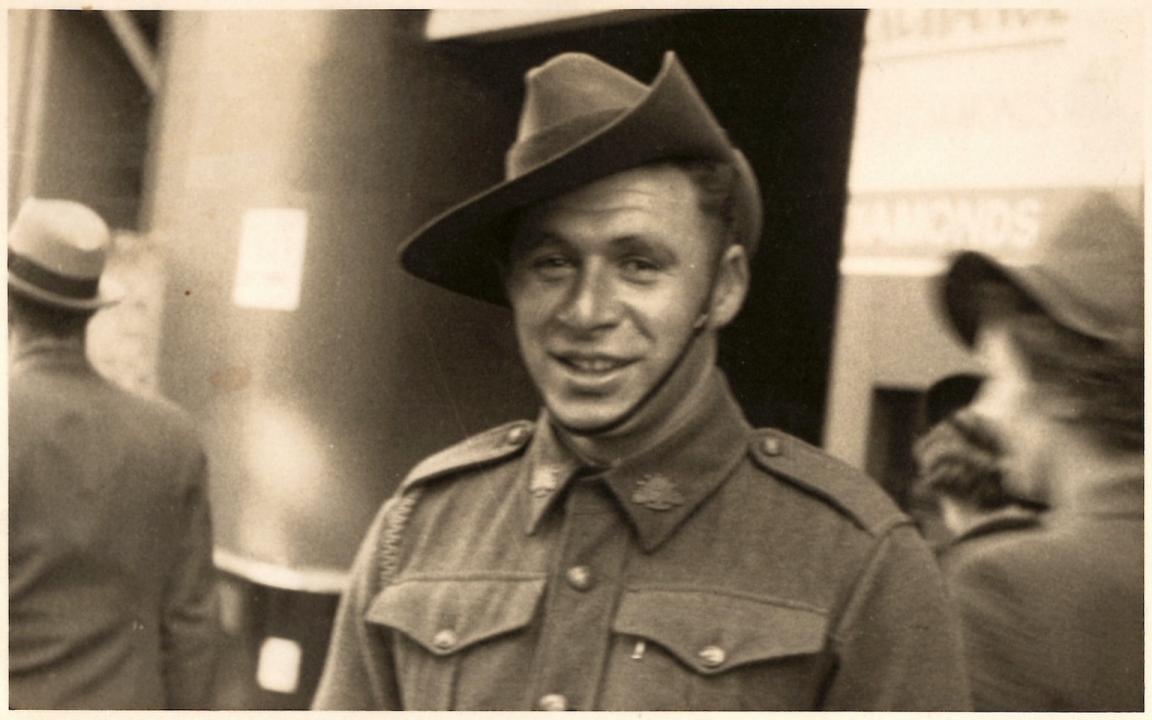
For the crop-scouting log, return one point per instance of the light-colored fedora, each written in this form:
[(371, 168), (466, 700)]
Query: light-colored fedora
[(1086, 274), (56, 254), (582, 120)]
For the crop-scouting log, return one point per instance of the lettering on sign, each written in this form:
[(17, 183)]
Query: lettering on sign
[(899, 32), (935, 224)]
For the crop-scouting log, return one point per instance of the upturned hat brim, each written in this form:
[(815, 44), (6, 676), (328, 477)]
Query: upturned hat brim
[(459, 249)]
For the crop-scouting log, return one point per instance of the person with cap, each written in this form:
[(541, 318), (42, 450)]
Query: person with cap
[(639, 546), (111, 591), (1053, 617)]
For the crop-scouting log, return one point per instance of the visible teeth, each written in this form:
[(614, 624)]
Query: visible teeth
[(593, 365)]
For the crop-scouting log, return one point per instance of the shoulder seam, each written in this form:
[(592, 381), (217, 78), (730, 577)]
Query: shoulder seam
[(472, 452), (776, 452)]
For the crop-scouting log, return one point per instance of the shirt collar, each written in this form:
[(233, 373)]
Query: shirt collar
[(659, 487)]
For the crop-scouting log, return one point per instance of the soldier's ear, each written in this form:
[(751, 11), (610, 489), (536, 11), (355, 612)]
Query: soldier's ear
[(730, 287)]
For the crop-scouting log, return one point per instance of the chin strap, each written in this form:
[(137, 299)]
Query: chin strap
[(697, 329)]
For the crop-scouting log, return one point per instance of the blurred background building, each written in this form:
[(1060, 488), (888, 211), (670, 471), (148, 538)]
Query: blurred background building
[(261, 168)]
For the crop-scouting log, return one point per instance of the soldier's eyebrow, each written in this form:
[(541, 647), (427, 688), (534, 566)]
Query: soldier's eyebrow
[(527, 241), (640, 244)]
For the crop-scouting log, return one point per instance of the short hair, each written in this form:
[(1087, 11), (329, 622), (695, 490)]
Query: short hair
[(42, 319), (960, 458), (716, 183), (1101, 382)]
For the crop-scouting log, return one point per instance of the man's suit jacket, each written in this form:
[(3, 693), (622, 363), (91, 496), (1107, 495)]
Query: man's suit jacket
[(110, 580)]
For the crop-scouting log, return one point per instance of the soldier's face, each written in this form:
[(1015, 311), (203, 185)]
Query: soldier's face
[(607, 284)]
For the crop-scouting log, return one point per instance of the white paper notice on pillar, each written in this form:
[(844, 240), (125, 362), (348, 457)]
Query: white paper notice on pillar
[(270, 264)]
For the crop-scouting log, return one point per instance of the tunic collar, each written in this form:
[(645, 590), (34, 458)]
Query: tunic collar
[(657, 488)]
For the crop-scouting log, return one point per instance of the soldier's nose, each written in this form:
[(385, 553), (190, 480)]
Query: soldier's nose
[(591, 304)]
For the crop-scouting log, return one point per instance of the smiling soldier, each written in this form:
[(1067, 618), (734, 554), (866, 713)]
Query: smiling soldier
[(639, 546)]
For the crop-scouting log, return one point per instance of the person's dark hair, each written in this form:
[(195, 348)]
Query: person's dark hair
[(40, 319), (716, 185), (960, 458), (1101, 384)]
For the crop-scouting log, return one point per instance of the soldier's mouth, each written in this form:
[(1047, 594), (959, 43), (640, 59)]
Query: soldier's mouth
[(592, 364)]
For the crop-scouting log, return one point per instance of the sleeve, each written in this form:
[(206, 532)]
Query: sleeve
[(897, 641), (358, 670), (1002, 639), (190, 634)]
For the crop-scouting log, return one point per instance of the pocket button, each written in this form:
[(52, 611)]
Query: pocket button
[(552, 703), (445, 639), (579, 577), (712, 656)]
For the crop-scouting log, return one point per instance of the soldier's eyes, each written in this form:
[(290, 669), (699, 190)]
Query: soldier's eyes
[(639, 268), (552, 265)]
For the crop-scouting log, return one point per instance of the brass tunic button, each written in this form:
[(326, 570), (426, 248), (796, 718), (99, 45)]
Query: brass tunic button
[(770, 446), (579, 577), (517, 435), (712, 656), (445, 639), (552, 703)]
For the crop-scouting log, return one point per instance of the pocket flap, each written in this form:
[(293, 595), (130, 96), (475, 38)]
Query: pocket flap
[(446, 615), (712, 632)]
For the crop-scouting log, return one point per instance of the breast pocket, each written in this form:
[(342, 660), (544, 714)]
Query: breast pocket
[(677, 649), (458, 641)]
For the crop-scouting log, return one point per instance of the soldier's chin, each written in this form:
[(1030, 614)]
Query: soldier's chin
[(590, 424)]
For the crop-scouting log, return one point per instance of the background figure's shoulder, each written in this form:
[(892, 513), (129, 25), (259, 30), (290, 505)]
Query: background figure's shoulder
[(848, 490), (160, 416), (491, 446), (1010, 554)]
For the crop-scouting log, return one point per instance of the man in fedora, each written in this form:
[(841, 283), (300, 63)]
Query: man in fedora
[(638, 546), (110, 582), (1053, 616)]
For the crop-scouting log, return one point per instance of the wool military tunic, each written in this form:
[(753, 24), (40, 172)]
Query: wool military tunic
[(724, 569)]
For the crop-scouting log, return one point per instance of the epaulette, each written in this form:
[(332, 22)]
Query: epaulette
[(483, 449), (850, 491)]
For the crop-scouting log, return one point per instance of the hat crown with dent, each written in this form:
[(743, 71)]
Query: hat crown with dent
[(1096, 254), (582, 120), (62, 236), (57, 251), (566, 100)]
